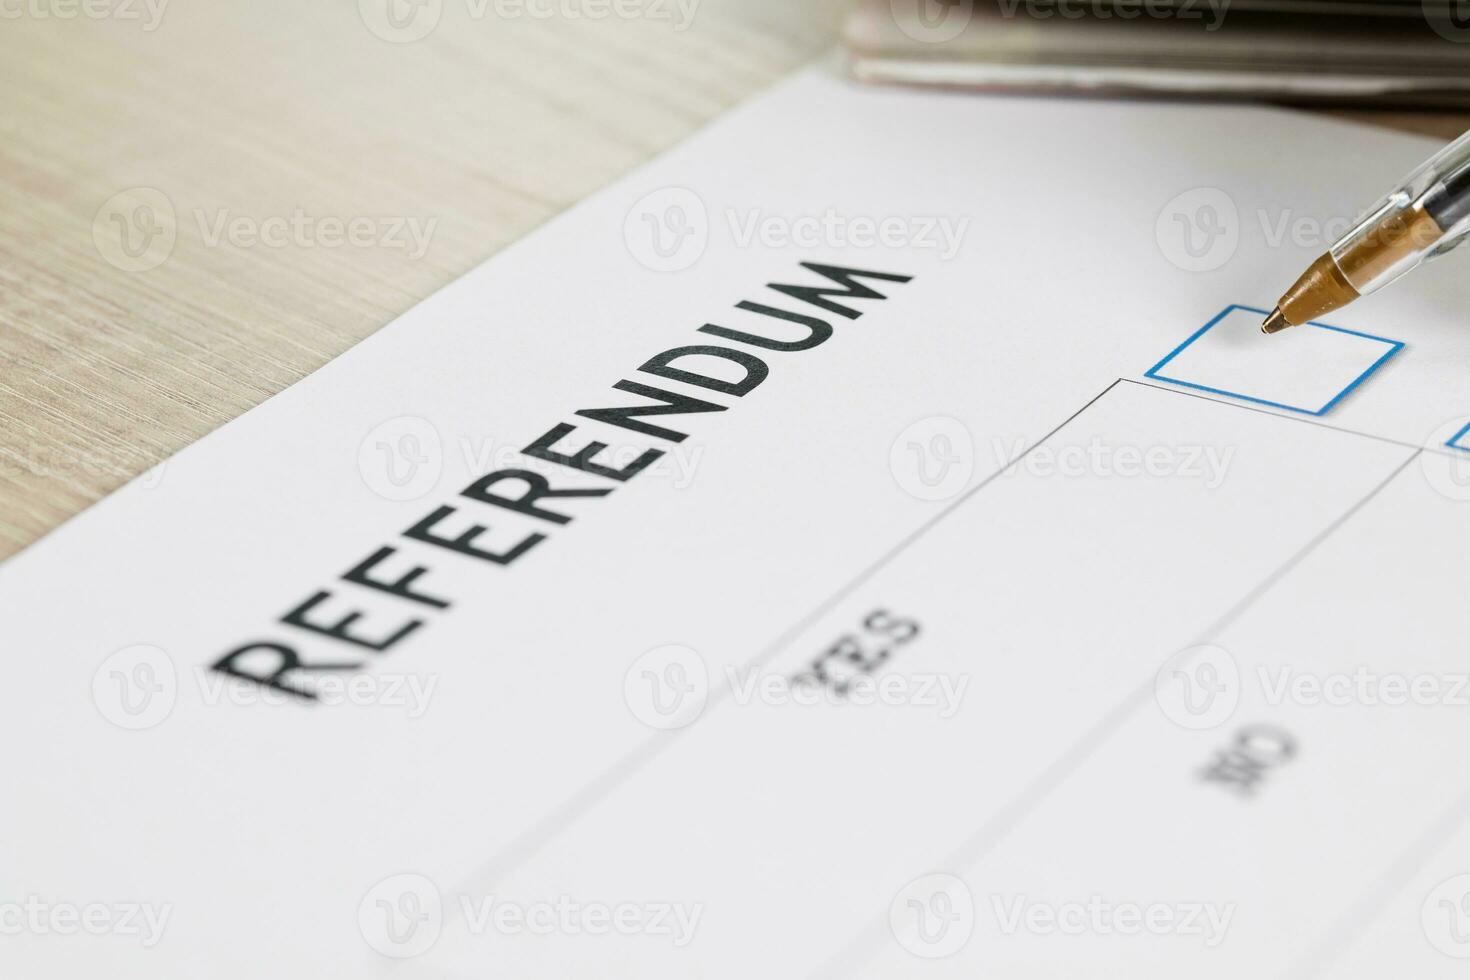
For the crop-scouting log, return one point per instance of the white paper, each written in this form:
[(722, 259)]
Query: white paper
[(1075, 577)]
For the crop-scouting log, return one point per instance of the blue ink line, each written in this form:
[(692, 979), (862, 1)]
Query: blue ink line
[(1454, 441), (1394, 346)]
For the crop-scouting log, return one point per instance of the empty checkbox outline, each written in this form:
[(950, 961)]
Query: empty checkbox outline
[(1394, 346)]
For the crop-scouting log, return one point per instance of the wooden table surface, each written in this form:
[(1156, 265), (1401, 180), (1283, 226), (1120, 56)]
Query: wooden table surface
[(172, 120)]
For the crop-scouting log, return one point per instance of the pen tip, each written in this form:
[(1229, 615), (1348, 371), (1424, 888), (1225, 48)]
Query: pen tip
[(1275, 322)]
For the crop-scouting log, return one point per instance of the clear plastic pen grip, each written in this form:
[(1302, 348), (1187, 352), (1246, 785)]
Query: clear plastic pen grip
[(1428, 215)]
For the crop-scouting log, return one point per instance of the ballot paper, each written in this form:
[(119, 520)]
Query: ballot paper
[(872, 540)]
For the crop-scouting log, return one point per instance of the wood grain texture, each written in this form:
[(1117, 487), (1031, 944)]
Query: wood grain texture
[(270, 108)]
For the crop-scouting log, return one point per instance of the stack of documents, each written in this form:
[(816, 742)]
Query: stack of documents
[(1347, 51)]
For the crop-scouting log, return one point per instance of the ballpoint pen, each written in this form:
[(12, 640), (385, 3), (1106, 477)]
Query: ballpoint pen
[(1428, 214)]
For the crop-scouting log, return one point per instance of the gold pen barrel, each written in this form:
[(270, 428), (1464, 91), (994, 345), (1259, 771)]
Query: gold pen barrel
[(1320, 290), (1427, 215), (1372, 255)]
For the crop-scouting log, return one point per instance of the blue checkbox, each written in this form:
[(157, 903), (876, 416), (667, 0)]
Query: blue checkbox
[(1459, 440), (1309, 369)]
